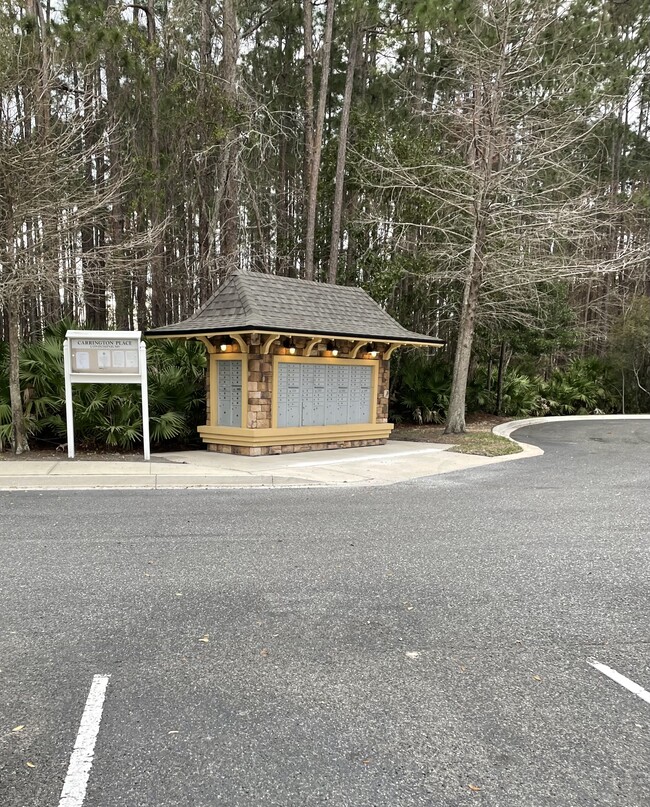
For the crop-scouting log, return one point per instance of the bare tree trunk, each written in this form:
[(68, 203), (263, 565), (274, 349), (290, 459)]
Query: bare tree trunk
[(204, 251), (456, 411), (282, 265), (500, 377), (121, 283), (50, 304), (229, 212), (312, 198), (43, 101), (92, 288), (337, 210), (158, 314), (12, 310), (309, 111), (19, 441), (484, 158), (482, 162)]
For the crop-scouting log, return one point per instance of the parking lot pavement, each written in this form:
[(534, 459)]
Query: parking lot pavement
[(424, 644)]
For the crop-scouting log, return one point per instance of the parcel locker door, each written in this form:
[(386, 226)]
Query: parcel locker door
[(229, 393), (289, 395)]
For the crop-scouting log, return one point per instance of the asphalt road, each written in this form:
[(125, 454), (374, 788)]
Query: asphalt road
[(366, 647)]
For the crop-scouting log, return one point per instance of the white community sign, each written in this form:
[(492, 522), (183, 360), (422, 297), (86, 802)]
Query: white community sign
[(105, 357)]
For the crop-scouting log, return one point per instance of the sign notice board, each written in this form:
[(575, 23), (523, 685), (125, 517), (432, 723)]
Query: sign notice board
[(105, 357), (112, 356)]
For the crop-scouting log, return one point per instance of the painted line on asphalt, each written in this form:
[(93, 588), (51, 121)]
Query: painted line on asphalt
[(366, 458), (636, 689), (76, 780)]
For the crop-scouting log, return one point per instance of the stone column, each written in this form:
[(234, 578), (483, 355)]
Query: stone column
[(383, 390)]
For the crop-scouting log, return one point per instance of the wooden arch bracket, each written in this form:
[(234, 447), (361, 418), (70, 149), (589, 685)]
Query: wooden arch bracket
[(388, 353), (266, 347), (357, 347), (243, 347), (310, 346), (211, 348)]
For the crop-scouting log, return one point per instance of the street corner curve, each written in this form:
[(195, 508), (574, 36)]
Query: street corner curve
[(506, 429), (527, 449)]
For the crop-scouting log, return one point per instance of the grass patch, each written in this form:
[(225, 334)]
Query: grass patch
[(478, 439), (486, 444)]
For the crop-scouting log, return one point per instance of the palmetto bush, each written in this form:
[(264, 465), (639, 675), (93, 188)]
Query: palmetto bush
[(520, 394), (421, 390), (108, 414), (581, 388)]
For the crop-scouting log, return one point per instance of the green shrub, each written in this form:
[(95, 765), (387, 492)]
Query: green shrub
[(421, 388), (108, 414), (580, 388), (421, 391), (520, 394)]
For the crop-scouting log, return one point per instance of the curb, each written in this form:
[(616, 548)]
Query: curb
[(506, 429), (161, 482)]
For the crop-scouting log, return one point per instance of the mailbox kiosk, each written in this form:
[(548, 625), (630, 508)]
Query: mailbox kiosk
[(294, 365)]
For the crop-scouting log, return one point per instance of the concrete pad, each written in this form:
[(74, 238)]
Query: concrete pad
[(387, 452), (79, 482), (293, 482), (189, 470), (25, 468), (99, 468), (324, 476), (367, 456), (197, 480)]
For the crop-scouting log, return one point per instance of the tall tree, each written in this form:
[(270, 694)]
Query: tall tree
[(316, 146), (337, 209)]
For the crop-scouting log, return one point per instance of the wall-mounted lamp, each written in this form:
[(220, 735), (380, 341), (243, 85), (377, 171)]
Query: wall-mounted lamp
[(289, 345), (372, 350), (225, 344), (332, 349)]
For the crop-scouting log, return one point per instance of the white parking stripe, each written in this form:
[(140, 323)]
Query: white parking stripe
[(76, 780), (639, 691)]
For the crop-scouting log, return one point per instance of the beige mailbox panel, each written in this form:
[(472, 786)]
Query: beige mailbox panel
[(111, 356)]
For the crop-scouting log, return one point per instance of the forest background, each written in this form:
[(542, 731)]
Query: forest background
[(482, 169)]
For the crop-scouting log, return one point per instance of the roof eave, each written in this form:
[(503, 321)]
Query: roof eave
[(424, 341)]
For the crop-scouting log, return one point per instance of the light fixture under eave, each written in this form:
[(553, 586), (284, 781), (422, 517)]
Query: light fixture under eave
[(225, 344), (372, 350), (289, 345), (332, 349)]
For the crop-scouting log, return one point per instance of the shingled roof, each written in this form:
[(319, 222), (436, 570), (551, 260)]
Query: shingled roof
[(251, 301)]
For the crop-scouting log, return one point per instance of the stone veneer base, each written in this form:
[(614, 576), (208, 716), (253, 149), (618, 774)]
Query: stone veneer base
[(262, 451)]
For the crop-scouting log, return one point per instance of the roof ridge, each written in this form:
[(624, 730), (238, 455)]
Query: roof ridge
[(212, 297), (244, 299), (288, 278), (243, 274)]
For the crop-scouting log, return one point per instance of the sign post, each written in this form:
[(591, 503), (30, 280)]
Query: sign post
[(105, 357)]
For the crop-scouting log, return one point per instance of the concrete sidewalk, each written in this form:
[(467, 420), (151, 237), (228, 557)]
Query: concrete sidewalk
[(397, 461)]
